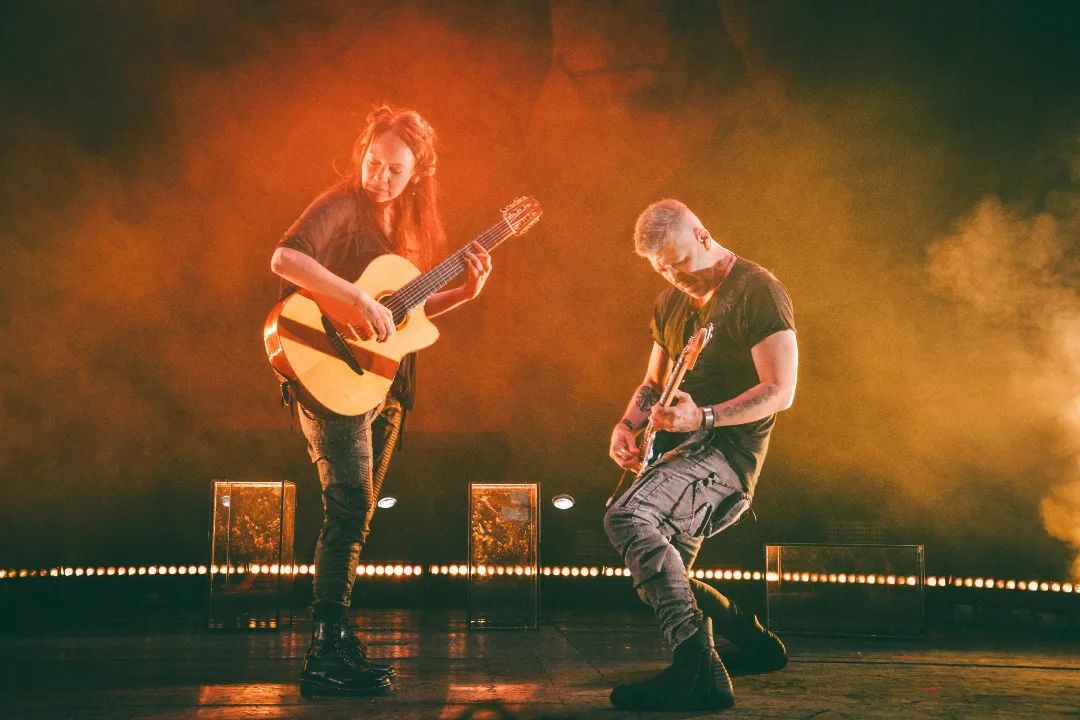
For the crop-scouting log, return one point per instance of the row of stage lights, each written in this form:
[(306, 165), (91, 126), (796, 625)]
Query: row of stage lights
[(461, 571)]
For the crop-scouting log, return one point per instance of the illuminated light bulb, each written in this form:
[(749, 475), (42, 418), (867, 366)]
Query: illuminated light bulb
[(387, 502), (979, 582), (563, 502), (54, 572), (958, 582), (912, 580), (518, 570), (861, 579), (608, 572), (453, 570), (370, 569), (1067, 587), (1056, 587), (565, 571), (380, 570), (593, 572), (999, 584), (462, 570), (931, 581), (738, 575), (182, 570), (398, 571), (417, 570), (833, 577), (1033, 585), (265, 569), (275, 569), (500, 570), (968, 582), (575, 572), (408, 569), (152, 570), (805, 577), (481, 570), (1044, 586), (162, 570), (787, 576), (202, 569), (546, 570), (101, 571), (842, 578), (3, 574), (891, 580), (727, 575)]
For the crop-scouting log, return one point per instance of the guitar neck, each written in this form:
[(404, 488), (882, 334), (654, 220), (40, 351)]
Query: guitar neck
[(416, 292), (673, 381)]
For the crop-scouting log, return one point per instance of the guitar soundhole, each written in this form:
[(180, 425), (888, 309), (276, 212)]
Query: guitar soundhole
[(400, 319)]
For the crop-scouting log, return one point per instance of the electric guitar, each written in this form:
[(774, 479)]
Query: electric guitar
[(328, 364), (654, 443)]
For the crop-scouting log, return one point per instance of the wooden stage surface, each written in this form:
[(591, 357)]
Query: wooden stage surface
[(564, 670)]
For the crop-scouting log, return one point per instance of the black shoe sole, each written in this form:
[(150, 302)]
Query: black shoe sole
[(310, 688)]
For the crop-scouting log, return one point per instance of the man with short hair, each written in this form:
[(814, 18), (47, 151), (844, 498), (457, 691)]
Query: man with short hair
[(720, 422)]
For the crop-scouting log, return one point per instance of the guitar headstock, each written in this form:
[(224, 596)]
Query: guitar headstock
[(522, 214), (693, 348)]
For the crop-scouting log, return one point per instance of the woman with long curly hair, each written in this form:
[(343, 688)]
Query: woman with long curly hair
[(388, 203)]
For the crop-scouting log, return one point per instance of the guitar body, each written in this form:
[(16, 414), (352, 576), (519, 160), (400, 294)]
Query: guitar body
[(301, 349)]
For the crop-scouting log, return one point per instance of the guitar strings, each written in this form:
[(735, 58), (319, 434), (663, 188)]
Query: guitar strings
[(448, 268), (414, 292)]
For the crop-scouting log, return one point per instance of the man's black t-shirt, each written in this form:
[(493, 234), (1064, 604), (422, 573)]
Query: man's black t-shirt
[(337, 231), (749, 306)]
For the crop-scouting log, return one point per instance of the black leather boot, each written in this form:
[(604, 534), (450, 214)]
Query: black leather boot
[(358, 646), (334, 666), (696, 680), (757, 650)]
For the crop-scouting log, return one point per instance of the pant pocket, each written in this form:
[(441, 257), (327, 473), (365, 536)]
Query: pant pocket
[(726, 513)]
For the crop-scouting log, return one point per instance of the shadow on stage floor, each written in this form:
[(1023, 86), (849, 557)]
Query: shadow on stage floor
[(175, 669)]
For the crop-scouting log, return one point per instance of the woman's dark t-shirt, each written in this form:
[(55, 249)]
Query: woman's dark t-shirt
[(749, 306), (337, 231)]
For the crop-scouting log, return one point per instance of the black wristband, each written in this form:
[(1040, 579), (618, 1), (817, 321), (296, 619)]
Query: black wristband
[(629, 425)]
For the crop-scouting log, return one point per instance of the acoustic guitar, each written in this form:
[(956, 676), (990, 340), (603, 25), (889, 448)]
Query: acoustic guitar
[(328, 365)]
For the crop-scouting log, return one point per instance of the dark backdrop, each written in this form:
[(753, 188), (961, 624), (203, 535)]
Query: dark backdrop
[(908, 170)]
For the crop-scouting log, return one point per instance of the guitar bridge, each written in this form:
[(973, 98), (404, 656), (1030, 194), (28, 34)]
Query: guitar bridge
[(341, 348)]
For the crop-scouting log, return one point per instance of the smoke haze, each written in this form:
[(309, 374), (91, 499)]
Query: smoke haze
[(909, 176)]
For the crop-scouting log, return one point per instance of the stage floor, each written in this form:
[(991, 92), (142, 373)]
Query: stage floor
[(565, 670)]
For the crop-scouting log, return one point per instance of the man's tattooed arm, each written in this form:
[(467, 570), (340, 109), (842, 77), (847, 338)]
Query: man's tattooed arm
[(646, 397), (637, 412), (748, 406)]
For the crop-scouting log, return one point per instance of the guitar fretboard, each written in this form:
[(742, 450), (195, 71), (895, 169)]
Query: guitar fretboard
[(415, 293)]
